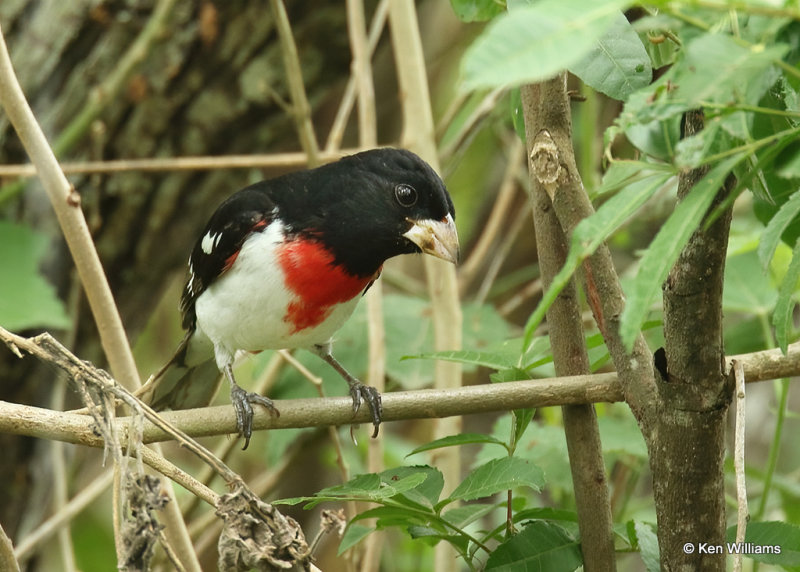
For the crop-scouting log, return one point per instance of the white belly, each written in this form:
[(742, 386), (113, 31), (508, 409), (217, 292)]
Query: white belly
[(246, 307)]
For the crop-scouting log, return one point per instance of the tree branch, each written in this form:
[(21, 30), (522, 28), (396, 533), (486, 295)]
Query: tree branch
[(601, 283), (695, 391), (419, 404), (570, 356), (198, 163)]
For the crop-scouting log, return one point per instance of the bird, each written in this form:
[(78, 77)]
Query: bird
[(282, 264)]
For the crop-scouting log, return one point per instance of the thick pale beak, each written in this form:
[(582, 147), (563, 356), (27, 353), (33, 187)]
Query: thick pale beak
[(435, 237)]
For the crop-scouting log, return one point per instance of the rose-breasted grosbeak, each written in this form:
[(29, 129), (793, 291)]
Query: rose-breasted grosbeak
[(282, 264)]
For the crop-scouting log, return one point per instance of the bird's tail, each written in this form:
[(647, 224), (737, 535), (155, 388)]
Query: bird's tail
[(187, 380)]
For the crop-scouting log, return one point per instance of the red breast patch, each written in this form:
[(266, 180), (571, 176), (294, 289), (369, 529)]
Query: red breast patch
[(317, 282)]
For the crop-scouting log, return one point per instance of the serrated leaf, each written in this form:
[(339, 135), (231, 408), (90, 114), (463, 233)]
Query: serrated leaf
[(648, 546), (521, 419), (354, 534), (387, 516), (737, 70), (776, 227), (617, 64), (667, 245), (784, 307), (741, 76), (499, 475), (494, 360), (454, 440), (772, 533), (590, 233), (462, 516), (426, 492), (367, 487), (539, 546), (532, 43), (27, 300), (458, 541)]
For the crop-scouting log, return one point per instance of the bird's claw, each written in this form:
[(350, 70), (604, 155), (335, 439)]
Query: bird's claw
[(242, 403), (372, 397)]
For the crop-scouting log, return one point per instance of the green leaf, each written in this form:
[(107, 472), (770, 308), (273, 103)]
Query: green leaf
[(369, 487), (521, 419), (476, 10), (776, 227), (460, 439), (427, 490), (532, 43), (388, 516), (462, 516), (747, 288), (784, 307), (539, 546), (617, 64), (546, 513), (621, 434), (27, 300), (590, 233), (499, 475), (658, 138), (741, 73), (648, 546), (741, 76), (544, 445), (459, 542), (790, 166), (781, 535), (667, 245), (494, 360), (354, 534)]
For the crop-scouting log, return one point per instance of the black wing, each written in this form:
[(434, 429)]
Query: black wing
[(247, 211)]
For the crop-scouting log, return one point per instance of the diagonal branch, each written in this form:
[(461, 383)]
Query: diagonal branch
[(567, 340)]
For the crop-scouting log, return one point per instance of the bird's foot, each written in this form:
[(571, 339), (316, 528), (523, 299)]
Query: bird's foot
[(360, 392), (242, 403)]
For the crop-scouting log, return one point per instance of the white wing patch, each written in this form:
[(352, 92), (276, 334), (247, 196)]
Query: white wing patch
[(210, 241)]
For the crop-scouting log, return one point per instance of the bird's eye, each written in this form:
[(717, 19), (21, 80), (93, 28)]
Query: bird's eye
[(406, 195)]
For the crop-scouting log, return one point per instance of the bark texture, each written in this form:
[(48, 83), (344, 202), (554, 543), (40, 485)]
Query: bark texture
[(688, 452), (547, 119), (211, 82)]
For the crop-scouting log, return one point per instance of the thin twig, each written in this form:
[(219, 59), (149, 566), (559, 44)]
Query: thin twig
[(498, 218), (7, 559), (566, 332), (419, 134), (294, 76), (198, 163), (66, 203), (742, 512), (376, 370), (349, 97), (63, 517)]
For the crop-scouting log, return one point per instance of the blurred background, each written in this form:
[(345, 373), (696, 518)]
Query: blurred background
[(125, 80)]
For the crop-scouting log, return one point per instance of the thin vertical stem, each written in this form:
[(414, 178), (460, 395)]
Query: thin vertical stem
[(297, 89)]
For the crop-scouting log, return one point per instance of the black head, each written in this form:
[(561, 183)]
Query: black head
[(375, 205)]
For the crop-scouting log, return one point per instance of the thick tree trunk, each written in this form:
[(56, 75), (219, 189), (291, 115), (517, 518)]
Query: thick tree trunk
[(212, 83)]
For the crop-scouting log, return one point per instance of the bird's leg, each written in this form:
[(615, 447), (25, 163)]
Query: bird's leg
[(358, 390), (241, 401)]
